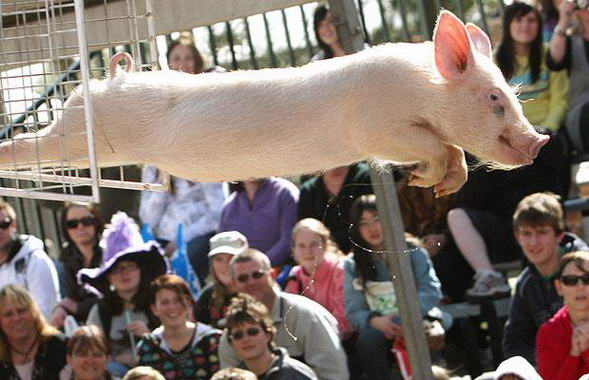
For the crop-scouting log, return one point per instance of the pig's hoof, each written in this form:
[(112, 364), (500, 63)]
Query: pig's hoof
[(418, 181), (426, 175)]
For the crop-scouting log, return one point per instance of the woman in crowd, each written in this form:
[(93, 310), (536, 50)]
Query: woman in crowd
[(179, 349), (30, 348), (82, 229), (326, 35), (87, 355), (195, 205), (250, 331), (265, 211), (571, 51), (123, 279), (214, 299), (319, 274), (370, 300), (562, 343), (143, 373), (521, 57)]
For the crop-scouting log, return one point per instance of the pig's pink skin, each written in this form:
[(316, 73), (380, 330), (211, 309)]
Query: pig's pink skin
[(405, 103)]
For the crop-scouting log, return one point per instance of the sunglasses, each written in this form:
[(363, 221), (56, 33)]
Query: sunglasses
[(125, 268), (255, 275), (572, 280), (86, 221), (5, 223), (239, 334)]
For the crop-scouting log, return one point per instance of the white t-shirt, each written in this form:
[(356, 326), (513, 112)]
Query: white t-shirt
[(25, 371)]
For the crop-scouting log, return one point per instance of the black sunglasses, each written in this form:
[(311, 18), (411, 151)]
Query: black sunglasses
[(86, 221), (255, 275), (5, 223), (572, 280), (239, 334)]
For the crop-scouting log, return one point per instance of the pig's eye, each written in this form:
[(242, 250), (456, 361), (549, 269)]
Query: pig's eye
[(493, 97)]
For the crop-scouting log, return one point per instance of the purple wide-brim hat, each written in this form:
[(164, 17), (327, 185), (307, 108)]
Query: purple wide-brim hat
[(122, 241)]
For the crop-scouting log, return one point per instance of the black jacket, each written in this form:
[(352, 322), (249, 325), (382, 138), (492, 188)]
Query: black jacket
[(534, 302)]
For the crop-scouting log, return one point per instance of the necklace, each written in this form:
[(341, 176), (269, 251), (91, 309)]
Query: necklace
[(25, 354)]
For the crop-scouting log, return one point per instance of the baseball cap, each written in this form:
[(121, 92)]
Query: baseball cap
[(230, 242)]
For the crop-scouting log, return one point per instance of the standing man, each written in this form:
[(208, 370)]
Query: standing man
[(23, 261), (538, 226), (306, 329)]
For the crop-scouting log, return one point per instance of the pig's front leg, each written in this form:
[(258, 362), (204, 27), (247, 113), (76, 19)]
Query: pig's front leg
[(456, 172), (431, 153)]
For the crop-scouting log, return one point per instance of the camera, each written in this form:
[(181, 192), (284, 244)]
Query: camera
[(581, 4)]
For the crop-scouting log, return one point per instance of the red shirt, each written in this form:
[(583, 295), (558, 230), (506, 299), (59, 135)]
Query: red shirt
[(553, 347)]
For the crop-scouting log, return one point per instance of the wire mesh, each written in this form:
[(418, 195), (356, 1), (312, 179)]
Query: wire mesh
[(50, 49)]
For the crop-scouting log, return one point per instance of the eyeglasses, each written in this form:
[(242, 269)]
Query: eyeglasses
[(5, 223), (255, 275), (86, 221), (131, 267), (239, 334), (572, 280)]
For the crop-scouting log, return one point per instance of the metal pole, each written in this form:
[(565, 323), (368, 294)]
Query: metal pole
[(429, 12), (345, 16), (88, 112)]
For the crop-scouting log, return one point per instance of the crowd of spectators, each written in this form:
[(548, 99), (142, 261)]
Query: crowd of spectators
[(295, 284)]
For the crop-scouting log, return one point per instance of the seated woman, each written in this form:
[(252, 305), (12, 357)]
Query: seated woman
[(82, 229), (129, 265), (265, 211), (215, 297), (179, 348), (30, 348), (250, 331), (562, 343), (87, 355), (370, 300), (319, 274)]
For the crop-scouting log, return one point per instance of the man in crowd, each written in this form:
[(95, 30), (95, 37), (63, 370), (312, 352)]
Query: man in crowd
[(306, 329), (23, 261), (538, 225)]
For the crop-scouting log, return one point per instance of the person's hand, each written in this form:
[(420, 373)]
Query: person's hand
[(70, 305), (434, 243), (583, 337), (565, 11), (386, 326), (58, 317), (577, 341), (138, 328), (170, 248)]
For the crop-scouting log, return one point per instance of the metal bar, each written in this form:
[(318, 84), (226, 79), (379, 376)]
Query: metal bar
[(360, 5), (383, 20), (152, 36), (399, 266), (80, 181), (213, 45), (306, 30), (269, 41), (481, 8), (250, 43), (229, 32), (345, 18), (460, 7), (404, 22), (291, 53), (88, 111), (428, 12)]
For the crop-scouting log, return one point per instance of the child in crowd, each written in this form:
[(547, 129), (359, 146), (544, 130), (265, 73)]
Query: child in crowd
[(538, 225), (87, 355), (179, 348), (562, 344), (215, 297), (129, 265)]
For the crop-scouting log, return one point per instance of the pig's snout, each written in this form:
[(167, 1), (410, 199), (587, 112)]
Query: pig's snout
[(535, 147)]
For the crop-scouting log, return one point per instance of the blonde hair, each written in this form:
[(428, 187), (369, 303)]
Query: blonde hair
[(138, 372), (8, 209), (317, 227), (234, 374), (17, 295)]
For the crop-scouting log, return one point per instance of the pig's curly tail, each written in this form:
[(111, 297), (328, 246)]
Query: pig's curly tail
[(114, 61)]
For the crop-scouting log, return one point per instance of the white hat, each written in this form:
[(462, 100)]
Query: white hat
[(518, 366), (230, 242)]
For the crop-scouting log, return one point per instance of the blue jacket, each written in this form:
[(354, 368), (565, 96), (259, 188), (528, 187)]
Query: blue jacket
[(426, 281)]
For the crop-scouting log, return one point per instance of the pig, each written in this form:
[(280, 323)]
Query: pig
[(415, 104)]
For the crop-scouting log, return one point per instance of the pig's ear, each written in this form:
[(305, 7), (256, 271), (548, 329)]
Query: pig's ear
[(479, 39), (452, 46)]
